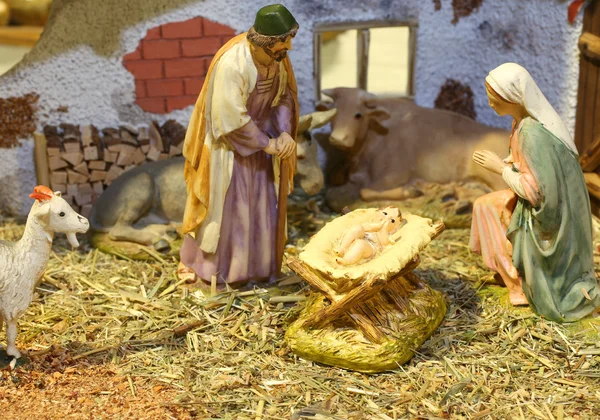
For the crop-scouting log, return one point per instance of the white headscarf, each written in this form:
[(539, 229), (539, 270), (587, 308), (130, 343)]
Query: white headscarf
[(514, 83)]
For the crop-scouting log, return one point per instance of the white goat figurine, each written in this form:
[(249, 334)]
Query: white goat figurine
[(22, 263)]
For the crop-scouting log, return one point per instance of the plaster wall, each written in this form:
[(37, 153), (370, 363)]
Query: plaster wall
[(78, 62)]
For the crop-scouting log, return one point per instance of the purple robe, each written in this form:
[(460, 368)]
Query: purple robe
[(246, 247)]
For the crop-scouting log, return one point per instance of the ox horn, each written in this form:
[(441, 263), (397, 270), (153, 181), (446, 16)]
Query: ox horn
[(304, 122), (328, 92)]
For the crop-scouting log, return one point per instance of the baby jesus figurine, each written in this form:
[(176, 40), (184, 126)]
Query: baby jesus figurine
[(366, 240)]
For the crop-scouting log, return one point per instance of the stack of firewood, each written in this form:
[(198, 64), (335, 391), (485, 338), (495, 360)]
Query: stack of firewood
[(83, 161)]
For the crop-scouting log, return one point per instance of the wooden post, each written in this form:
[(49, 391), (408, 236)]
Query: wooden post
[(587, 126), (281, 215), (41, 159)]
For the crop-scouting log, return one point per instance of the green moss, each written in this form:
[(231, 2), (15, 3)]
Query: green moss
[(129, 249)]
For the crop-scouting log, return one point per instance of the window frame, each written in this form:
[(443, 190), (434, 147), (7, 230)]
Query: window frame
[(362, 49)]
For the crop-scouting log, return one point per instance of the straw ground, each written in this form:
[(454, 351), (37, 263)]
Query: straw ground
[(113, 338)]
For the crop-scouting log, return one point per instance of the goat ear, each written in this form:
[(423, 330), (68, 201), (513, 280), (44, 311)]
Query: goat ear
[(43, 209), (58, 193)]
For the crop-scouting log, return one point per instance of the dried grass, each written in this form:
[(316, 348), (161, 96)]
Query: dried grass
[(225, 357)]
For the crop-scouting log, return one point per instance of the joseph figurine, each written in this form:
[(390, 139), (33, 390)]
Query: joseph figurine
[(240, 138)]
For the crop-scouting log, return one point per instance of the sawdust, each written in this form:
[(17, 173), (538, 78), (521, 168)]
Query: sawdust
[(17, 119), (464, 8), (457, 97)]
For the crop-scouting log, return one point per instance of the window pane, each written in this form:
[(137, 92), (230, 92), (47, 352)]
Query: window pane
[(11, 55), (338, 59), (389, 52)]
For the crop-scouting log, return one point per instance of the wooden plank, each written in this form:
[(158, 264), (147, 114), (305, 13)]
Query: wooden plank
[(73, 158), (367, 327), (589, 45), (86, 209), (97, 189), (86, 136), (312, 277), (55, 163), (73, 147), (20, 35), (110, 156), (592, 180), (153, 154), (362, 54), (144, 135), (113, 173), (125, 159), (354, 297), (592, 25), (68, 198), (138, 156), (82, 168), (91, 153), (98, 165), (76, 177), (96, 176), (58, 177), (83, 199), (115, 148), (589, 159), (72, 190), (58, 187), (42, 168), (84, 189), (174, 151), (53, 151), (595, 136), (156, 139)]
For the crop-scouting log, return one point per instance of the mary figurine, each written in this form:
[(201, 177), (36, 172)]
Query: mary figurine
[(537, 235)]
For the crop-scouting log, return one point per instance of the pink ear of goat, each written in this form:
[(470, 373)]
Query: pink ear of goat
[(41, 193)]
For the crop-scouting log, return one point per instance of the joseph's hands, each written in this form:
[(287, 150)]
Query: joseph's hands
[(283, 146), (286, 145)]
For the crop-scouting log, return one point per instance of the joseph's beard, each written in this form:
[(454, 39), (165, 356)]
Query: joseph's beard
[(276, 55)]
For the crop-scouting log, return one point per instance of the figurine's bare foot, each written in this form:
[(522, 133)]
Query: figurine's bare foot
[(184, 273), (12, 351), (367, 194), (517, 298)]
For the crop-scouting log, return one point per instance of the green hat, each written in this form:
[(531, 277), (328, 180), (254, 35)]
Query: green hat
[(274, 20)]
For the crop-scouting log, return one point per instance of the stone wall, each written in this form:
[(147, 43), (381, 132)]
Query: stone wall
[(83, 73)]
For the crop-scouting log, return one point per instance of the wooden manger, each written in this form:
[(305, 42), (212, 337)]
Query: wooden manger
[(372, 316)]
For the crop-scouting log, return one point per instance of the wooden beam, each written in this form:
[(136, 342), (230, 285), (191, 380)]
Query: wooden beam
[(589, 45), (42, 169), (312, 277), (26, 36), (356, 296), (362, 58), (592, 180)]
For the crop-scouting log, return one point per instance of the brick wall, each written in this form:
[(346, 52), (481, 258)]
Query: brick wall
[(170, 63)]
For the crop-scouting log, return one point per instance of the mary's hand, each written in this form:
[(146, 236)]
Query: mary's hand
[(489, 160)]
